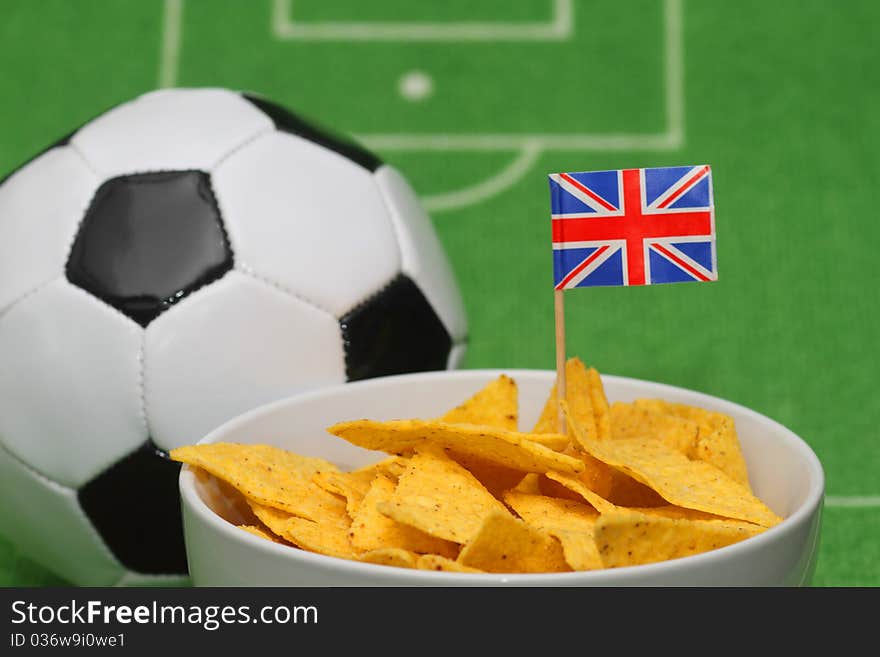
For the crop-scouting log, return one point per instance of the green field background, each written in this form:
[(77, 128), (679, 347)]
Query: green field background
[(782, 98)]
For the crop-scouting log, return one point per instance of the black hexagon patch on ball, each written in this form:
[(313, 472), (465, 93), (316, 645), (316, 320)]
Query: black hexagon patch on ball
[(394, 332), (148, 240), (135, 507)]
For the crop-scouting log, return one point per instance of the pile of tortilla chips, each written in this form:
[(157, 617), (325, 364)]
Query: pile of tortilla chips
[(627, 484)]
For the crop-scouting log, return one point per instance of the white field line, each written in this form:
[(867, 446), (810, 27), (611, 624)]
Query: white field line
[(852, 501), (527, 147), (558, 28), (488, 188), (485, 142), (674, 71), (169, 53)]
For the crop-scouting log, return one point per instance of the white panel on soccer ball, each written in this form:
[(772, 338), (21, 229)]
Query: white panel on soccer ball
[(424, 259), (43, 520), (234, 345), (170, 130), (456, 356), (308, 219), (41, 206), (70, 383)]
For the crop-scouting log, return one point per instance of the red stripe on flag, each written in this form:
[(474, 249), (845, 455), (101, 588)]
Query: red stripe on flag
[(681, 190), (681, 263), (586, 190), (647, 226), (586, 263)]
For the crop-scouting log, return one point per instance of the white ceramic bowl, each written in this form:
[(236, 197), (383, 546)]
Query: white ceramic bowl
[(784, 472)]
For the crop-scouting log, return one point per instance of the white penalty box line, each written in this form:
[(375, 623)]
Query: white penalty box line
[(559, 27)]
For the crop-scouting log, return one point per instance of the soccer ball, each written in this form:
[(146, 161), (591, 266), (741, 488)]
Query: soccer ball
[(178, 260)]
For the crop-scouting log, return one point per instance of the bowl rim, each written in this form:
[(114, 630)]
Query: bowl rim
[(811, 504)]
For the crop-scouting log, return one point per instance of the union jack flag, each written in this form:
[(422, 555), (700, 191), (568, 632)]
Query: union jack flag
[(633, 227)]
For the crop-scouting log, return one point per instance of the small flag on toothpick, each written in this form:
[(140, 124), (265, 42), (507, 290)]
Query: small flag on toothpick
[(633, 227), (629, 227)]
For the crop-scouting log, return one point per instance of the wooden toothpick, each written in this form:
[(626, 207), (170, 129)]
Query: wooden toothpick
[(559, 307)]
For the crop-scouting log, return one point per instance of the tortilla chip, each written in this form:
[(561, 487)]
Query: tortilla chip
[(345, 485), (371, 530), (577, 486), (329, 535), (554, 441), (552, 488), (629, 538), (717, 442), (355, 484), (619, 490), (496, 478), (436, 562), (570, 522), (546, 512), (504, 544), (263, 532), (600, 404), (441, 498), (679, 512), (269, 475), (390, 556), (508, 448), (704, 418), (224, 499), (597, 476), (315, 503), (392, 467), (626, 491), (721, 448), (493, 406), (586, 400), (692, 484), (528, 484), (631, 421)]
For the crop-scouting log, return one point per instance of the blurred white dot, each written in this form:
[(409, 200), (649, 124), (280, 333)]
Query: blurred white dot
[(415, 86)]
